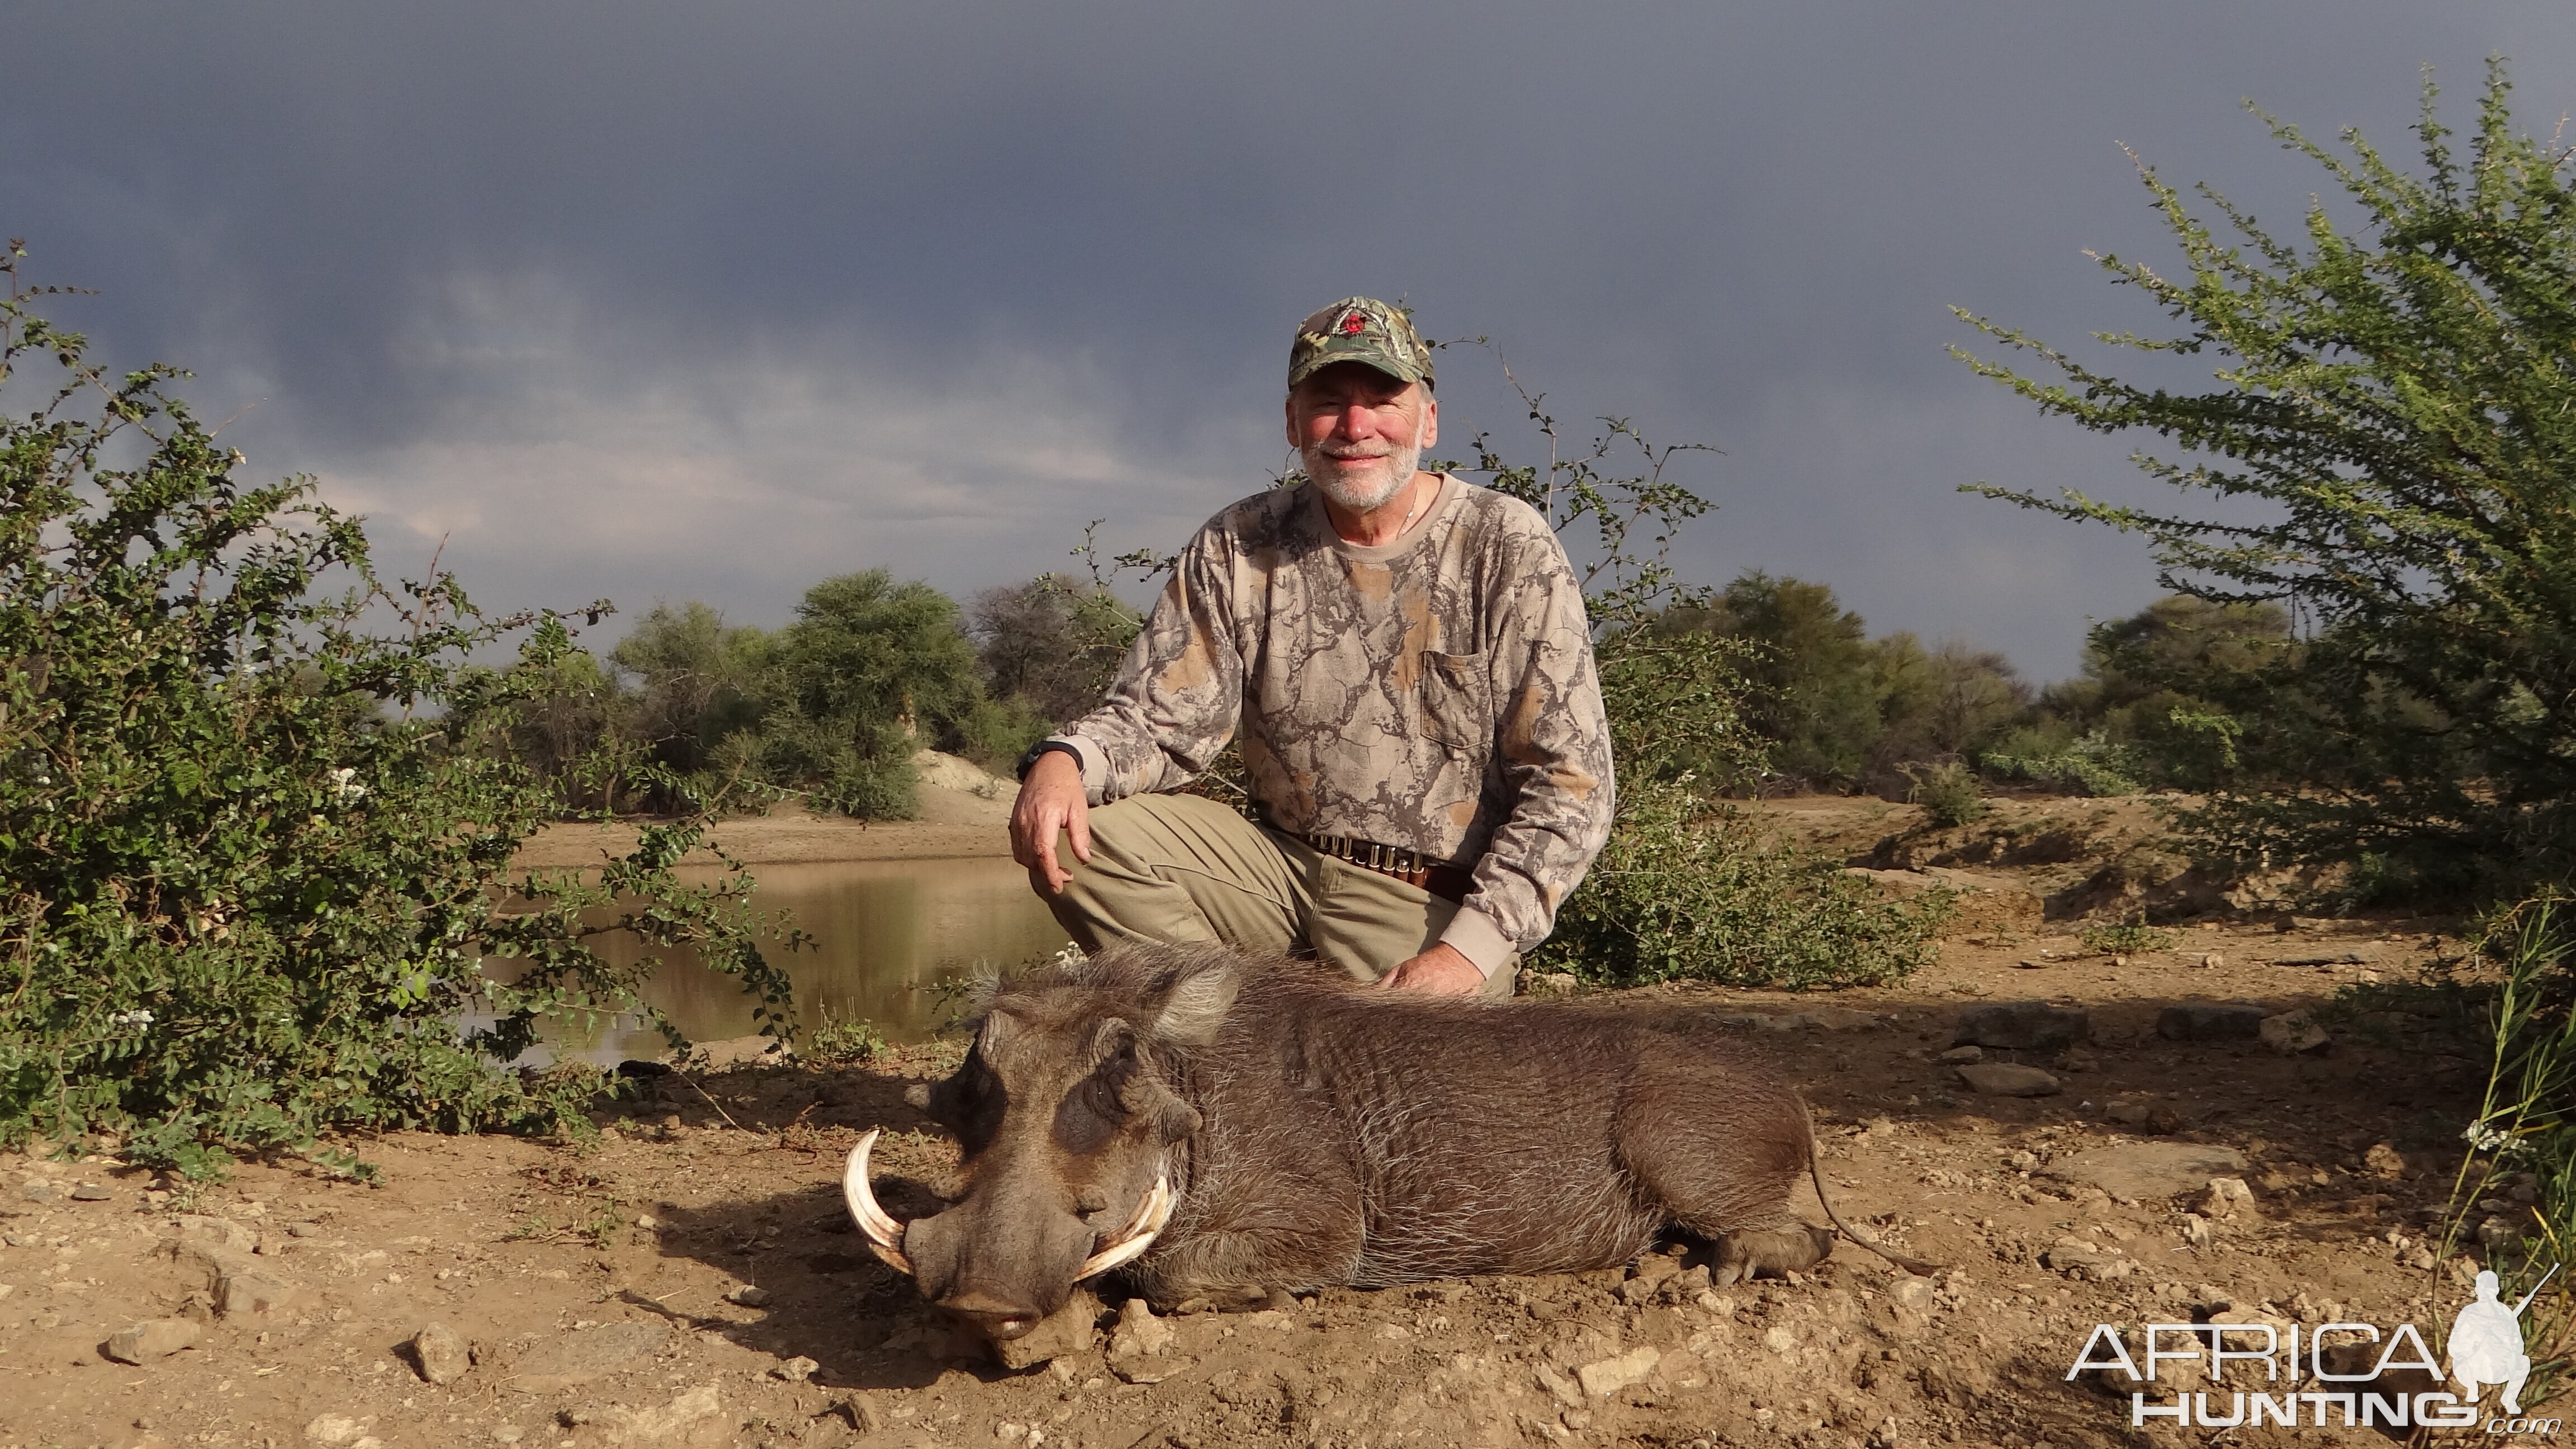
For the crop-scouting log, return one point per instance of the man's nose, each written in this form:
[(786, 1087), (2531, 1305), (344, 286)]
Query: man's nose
[(1354, 421)]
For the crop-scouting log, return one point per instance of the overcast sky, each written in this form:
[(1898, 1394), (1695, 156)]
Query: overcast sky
[(661, 301)]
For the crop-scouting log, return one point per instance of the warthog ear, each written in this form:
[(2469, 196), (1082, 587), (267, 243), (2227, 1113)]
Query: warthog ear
[(1189, 1009)]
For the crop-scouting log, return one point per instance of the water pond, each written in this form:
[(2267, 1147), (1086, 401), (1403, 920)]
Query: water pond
[(887, 934)]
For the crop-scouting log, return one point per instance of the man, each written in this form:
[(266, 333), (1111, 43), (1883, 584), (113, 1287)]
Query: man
[(1409, 660)]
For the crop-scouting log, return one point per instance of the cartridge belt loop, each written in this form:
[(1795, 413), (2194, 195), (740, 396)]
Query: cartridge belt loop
[(1412, 867)]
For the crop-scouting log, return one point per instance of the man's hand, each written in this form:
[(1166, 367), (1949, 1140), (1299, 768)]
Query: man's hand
[(1051, 801), (1444, 970)]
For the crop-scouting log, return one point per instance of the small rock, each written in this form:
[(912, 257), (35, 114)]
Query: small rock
[(1610, 1375), (2499, 1231), (92, 1192), (2384, 1160), (336, 1429), (1138, 1332), (1912, 1293), (244, 1293), (585, 1354), (39, 1192), (2291, 1034), (2197, 1022), (749, 1296), (304, 1230), (1998, 1079), (2130, 1111), (2195, 1230), (1067, 1330), (662, 1424), (795, 1370), (2022, 1026), (2140, 1171), (152, 1339), (440, 1355), (197, 1230), (2211, 960), (2225, 1197), (1961, 1056), (2091, 1262), (2030, 963)]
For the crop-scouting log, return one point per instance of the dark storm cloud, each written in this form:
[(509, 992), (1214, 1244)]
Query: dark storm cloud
[(666, 300)]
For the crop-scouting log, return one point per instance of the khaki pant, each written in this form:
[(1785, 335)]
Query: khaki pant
[(1178, 868)]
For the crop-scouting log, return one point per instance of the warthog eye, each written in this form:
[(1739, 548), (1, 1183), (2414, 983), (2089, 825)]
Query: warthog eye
[(1090, 1115)]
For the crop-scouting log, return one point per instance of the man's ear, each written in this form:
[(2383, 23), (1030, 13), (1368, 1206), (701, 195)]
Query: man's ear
[(1430, 418), (1288, 421)]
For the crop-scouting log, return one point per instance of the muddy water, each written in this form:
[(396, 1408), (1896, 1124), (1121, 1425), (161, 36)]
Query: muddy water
[(886, 934)]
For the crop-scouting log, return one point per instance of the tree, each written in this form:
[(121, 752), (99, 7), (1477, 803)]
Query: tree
[(1940, 707), (1054, 642), (1811, 689), (700, 681), (2397, 402)]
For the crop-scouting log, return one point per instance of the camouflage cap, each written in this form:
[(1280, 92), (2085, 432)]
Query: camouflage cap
[(1360, 329)]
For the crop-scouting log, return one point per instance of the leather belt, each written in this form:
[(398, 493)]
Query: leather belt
[(1449, 882)]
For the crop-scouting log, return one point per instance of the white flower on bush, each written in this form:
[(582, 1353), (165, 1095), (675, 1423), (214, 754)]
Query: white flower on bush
[(2482, 1137), (136, 1017), (344, 784)]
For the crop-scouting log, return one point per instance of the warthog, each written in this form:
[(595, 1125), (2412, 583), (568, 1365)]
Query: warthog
[(1226, 1126)]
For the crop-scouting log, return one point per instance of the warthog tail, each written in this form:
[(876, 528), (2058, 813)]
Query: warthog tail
[(1816, 1175)]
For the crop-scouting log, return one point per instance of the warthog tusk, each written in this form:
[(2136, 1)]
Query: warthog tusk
[(1151, 1213), (885, 1235)]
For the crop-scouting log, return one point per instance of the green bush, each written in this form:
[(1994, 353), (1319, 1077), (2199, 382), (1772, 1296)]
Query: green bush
[(1948, 793), (2390, 428), (2125, 938), (1679, 892), (2093, 765), (833, 1040), (253, 854)]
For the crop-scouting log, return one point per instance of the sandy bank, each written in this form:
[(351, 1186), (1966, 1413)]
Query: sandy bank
[(964, 812)]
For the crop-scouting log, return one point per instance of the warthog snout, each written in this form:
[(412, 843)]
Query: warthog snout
[(1008, 1254)]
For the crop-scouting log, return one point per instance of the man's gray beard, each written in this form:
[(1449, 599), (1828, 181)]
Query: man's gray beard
[(1400, 465)]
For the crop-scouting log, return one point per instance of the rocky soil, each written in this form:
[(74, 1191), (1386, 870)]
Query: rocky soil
[(2042, 1122)]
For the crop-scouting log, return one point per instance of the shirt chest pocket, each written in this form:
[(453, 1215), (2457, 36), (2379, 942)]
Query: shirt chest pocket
[(1457, 704)]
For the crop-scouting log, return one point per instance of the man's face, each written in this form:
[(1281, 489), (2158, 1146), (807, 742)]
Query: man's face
[(1360, 432)]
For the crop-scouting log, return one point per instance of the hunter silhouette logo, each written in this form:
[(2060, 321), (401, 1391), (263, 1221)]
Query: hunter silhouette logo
[(2486, 1343), (2293, 1391)]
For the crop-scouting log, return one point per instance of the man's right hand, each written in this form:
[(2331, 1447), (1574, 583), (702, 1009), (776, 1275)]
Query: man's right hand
[(1051, 801)]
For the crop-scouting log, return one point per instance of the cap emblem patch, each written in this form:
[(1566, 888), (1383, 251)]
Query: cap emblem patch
[(1354, 322)]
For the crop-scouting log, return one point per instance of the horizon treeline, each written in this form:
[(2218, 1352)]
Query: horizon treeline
[(833, 706)]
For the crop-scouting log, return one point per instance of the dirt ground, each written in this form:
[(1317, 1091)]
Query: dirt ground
[(691, 1278)]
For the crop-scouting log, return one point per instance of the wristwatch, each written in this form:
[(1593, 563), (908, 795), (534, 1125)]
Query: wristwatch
[(1029, 761)]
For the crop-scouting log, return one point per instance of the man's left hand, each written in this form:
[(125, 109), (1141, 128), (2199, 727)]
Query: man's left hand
[(1443, 970)]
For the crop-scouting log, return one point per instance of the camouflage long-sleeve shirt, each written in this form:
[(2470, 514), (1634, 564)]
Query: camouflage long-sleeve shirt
[(1436, 693)]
